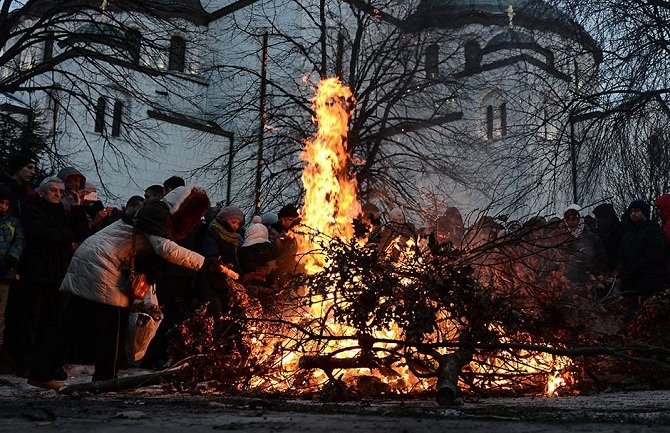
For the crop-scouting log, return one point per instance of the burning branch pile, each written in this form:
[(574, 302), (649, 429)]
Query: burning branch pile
[(365, 321)]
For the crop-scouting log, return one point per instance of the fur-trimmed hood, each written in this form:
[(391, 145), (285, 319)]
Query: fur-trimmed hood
[(175, 215), (175, 198)]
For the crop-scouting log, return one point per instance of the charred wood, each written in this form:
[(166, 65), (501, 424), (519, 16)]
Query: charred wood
[(449, 370), (122, 383)]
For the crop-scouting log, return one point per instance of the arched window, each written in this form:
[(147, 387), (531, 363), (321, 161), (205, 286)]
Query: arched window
[(100, 108), (433, 62), (494, 115), (28, 58), (177, 54), (134, 38), (550, 120), (117, 118), (577, 65), (489, 122), (473, 55), (546, 118), (52, 106)]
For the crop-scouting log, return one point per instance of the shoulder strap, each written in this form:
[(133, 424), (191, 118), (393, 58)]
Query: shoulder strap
[(133, 243)]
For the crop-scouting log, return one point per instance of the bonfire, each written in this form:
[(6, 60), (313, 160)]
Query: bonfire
[(358, 322)]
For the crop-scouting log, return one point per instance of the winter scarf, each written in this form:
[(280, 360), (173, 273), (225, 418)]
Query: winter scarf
[(226, 235)]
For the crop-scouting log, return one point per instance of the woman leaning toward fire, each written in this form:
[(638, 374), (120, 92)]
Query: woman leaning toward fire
[(96, 278)]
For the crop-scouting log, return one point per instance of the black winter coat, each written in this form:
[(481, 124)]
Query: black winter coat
[(210, 285), (50, 238), (21, 193), (642, 259), (253, 257)]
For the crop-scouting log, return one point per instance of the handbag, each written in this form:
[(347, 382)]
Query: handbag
[(144, 319), (137, 285)]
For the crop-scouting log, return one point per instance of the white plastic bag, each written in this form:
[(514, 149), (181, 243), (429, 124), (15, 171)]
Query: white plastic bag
[(143, 321)]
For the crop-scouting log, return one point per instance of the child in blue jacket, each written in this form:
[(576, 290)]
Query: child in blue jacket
[(11, 247)]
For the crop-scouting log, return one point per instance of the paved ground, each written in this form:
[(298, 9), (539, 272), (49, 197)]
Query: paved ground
[(24, 408)]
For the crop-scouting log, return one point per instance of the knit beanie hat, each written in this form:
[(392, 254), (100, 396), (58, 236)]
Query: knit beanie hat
[(19, 160), (269, 218), (256, 233), (230, 213), (288, 211), (642, 205)]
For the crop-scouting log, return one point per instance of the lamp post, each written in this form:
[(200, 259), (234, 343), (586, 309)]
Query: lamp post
[(262, 115)]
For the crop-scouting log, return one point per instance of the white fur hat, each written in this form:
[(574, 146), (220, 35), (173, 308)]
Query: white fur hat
[(256, 233), (575, 207)]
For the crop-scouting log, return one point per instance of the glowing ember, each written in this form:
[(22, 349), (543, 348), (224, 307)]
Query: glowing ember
[(330, 191)]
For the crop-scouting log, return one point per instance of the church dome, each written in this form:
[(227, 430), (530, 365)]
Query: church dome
[(530, 14), (510, 37), (190, 10), (491, 9)]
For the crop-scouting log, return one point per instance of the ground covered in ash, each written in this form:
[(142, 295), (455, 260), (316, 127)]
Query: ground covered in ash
[(150, 409)]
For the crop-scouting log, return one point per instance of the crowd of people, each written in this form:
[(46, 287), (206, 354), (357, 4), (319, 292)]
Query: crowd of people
[(65, 257)]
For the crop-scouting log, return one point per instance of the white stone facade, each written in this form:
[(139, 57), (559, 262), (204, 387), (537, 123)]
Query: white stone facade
[(199, 126)]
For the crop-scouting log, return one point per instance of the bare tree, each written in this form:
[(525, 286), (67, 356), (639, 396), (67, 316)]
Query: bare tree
[(85, 64), (419, 131), (626, 152)]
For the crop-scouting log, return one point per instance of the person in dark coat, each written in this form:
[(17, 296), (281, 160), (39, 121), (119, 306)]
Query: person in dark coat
[(395, 234), (52, 235), (75, 187), (610, 230), (642, 255), (220, 241), (256, 252), (583, 254), (448, 232), (283, 238), (12, 243), (174, 288), (97, 274), (21, 169)]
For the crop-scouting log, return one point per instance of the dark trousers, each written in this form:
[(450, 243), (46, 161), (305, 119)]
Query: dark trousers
[(43, 333), (109, 323), (175, 295), (13, 312)]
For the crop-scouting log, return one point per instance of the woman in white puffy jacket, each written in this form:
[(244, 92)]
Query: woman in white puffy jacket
[(98, 271)]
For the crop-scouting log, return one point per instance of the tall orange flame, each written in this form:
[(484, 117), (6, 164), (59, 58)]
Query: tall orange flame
[(330, 207), (330, 190)]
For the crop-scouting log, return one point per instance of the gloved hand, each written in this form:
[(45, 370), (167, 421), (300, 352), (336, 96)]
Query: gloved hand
[(225, 270), (213, 264)]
